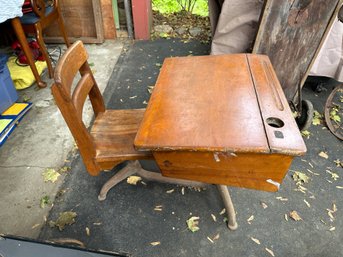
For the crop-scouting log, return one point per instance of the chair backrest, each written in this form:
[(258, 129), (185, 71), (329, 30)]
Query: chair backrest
[(39, 6), (71, 101)]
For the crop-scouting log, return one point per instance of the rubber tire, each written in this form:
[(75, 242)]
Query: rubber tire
[(304, 121)]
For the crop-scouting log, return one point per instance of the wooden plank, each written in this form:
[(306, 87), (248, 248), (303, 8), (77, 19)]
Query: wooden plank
[(108, 19), (290, 33), (81, 20)]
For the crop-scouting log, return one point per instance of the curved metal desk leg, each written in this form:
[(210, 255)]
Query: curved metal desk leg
[(18, 29), (224, 192)]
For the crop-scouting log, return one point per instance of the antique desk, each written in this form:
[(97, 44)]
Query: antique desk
[(222, 120)]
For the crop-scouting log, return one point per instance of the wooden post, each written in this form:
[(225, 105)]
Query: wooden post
[(142, 18)]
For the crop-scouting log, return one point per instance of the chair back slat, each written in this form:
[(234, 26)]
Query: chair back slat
[(74, 58), (38, 7), (81, 92), (71, 102)]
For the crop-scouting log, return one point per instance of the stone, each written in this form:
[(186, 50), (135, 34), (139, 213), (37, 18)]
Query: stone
[(181, 30), (163, 29), (195, 31)]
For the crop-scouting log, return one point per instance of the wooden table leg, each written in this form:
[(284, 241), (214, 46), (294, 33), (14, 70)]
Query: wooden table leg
[(18, 29), (231, 214)]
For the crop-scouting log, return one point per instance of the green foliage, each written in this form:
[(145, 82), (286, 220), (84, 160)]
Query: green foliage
[(171, 6)]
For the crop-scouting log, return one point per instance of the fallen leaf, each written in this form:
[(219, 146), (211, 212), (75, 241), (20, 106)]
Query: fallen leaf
[(170, 191), (145, 102), (65, 218), (158, 208), (307, 203), (264, 205), (50, 175), (88, 233), (338, 163), (255, 240), (133, 180), (150, 89), (133, 97), (183, 191), (214, 217), (300, 177), (286, 217), (251, 218), (209, 239), (193, 223), (64, 169), (306, 133), (35, 225), (295, 216), (216, 237), (317, 118), (339, 187), (44, 201), (222, 211), (332, 229), (282, 199), (270, 252), (312, 172), (155, 243), (323, 155), (334, 175)]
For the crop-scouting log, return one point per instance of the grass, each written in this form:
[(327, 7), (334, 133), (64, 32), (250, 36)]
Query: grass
[(171, 6)]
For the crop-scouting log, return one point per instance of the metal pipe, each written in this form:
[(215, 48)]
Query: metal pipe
[(128, 14)]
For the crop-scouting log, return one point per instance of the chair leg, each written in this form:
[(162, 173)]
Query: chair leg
[(62, 29), (40, 40), (134, 167), (231, 214), (18, 29)]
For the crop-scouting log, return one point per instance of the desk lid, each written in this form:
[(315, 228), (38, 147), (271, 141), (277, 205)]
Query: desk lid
[(226, 103)]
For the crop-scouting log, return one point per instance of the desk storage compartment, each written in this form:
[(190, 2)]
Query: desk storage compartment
[(8, 93)]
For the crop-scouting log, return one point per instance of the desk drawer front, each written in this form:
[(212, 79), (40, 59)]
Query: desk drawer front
[(247, 170)]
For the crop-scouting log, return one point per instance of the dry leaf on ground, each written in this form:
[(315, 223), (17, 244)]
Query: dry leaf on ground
[(270, 252), (65, 218), (255, 240), (133, 180), (50, 175), (300, 177), (251, 218), (295, 216), (264, 205), (170, 191), (323, 155), (193, 223), (155, 243), (88, 232), (214, 217)]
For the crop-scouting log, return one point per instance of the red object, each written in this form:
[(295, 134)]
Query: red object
[(27, 7), (142, 18), (37, 54)]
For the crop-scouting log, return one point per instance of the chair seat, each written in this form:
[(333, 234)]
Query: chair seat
[(32, 18), (114, 131)]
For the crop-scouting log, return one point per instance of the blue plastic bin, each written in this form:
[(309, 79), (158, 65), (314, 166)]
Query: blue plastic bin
[(8, 93)]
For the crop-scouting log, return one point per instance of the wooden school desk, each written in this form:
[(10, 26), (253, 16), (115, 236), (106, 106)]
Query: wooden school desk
[(221, 120)]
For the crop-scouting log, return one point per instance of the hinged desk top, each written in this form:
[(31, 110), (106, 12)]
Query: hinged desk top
[(225, 103)]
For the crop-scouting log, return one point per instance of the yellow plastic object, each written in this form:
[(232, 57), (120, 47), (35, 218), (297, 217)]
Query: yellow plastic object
[(15, 109), (22, 76)]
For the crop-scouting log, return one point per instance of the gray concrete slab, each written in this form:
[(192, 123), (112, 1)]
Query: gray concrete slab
[(42, 140)]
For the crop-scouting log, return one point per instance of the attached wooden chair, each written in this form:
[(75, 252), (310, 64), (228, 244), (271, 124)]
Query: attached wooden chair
[(110, 140), (41, 17)]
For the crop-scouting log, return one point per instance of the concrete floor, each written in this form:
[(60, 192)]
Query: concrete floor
[(41, 141)]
